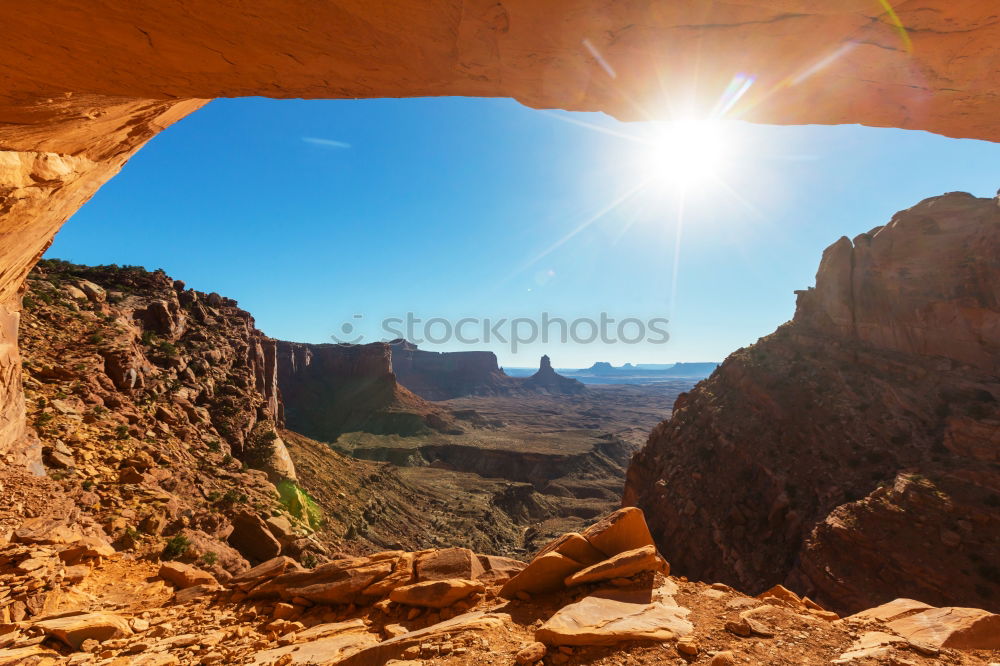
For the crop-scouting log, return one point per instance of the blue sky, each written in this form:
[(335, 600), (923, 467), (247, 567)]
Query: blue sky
[(312, 212)]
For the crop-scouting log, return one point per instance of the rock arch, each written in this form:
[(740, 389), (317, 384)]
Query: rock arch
[(85, 85)]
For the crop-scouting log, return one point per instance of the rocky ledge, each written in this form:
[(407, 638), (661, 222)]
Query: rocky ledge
[(597, 597)]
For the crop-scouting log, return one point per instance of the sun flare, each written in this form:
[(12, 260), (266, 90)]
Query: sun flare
[(684, 153)]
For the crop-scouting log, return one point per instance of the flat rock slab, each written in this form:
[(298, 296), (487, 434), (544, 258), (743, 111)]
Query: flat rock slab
[(871, 645), (16, 656), (950, 627), (613, 617), (893, 610), (329, 650), (331, 629), (264, 571), (393, 648), (75, 629), (338, 582), (184, 575), (436, 593), (621, 565), (499, 569)]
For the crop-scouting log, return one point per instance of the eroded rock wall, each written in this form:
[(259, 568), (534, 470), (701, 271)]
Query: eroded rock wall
[(445, 375), (853, 453)]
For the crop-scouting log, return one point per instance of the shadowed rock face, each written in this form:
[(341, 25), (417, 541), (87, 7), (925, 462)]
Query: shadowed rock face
[(330, 389), (83, 90), (852, 454)]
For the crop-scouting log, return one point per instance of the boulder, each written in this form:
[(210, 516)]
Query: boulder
[(449, 563), (253, 539), (950, 627), (781, 593), (546, 573), (85, 548), (74, 292), (574, 545), (621, 565), (402, 574), (436, 593), (93, 291), (272, 568), (46, 531), (531, 653), (215, 556), (184, 575), (499, 569), (73, 630), (625, 529), (339, 582), (614, 616)]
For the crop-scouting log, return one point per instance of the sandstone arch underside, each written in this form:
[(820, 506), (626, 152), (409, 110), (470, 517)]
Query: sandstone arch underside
[(83, 85)]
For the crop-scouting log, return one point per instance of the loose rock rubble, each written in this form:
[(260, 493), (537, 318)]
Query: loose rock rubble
[(447, 606)]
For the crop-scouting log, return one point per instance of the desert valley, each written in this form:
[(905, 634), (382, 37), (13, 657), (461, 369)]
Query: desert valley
[(180, 488)]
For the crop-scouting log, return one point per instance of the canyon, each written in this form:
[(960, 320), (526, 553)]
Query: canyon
[(184, 489)]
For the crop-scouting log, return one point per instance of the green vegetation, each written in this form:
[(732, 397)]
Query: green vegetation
[(234, 496), (259, 448), (210, 558), (167, 349), (175, 547), (299, 504), (121, 431)]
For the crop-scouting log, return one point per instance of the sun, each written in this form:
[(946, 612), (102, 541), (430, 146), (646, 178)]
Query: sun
[(684, 153)]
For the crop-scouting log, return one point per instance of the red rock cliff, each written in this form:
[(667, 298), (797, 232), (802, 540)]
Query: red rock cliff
[(854, 454), (329, 389)]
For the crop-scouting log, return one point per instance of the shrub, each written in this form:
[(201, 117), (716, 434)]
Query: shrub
[(167, 348), (214, 445), (121, 431), (259, 448), (210, 558), (234, 496), (175, 547)]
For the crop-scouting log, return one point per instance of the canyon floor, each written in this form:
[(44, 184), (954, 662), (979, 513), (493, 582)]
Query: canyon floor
[(524, 469)]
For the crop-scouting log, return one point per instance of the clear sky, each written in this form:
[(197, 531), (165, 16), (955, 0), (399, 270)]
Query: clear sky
[(312, 212)]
